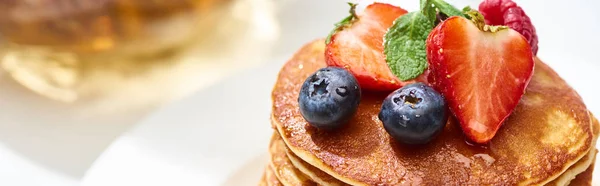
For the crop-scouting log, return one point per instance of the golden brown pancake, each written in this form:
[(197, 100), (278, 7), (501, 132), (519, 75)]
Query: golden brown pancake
[(579, 170), (312, 172), (269, 178), (283, 168), (299, 173), (582, 165), (585, 178), (549, 131), (579, 174)]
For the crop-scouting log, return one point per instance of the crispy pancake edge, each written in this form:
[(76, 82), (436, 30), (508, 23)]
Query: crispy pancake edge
[(584, 163), (317, 175), (585, 178), (283, 168), (270, 177), (575, 170)]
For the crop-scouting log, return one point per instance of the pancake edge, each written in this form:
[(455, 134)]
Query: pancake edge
[(299, 164), (298, 174), (573, 171), (310, 174), (567, 166), (306, 156)]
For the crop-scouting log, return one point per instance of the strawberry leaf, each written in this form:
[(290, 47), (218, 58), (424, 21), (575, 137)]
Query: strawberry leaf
[(405, 45), (344, 22)]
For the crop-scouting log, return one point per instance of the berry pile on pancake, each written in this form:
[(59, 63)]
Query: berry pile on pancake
[(438, 96)]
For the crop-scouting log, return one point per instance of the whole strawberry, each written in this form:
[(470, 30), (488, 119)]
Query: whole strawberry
[(507, 12)]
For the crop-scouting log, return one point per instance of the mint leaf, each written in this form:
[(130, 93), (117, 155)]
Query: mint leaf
[(437, 9), (405, 45), (345, 22), (428, 9), (446, 8), (405, 40)]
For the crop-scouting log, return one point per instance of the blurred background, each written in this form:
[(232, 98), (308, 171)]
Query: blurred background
[(77, 75)]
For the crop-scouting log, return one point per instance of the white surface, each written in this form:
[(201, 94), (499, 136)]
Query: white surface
[(49, 141), (17, 171), (44, 143), (197, 145)]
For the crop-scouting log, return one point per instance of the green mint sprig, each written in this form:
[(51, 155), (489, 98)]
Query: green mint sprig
[(447, 9), (404, 43)]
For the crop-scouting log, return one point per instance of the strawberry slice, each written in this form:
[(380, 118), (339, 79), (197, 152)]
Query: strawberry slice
[(358, 46), (481, 70)]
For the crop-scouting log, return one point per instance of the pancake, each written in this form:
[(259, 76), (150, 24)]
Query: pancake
[(304, 173), (283, 168), (312, 172), (580, 174), (574, 175), (577, 175), (582, 165), (579, 168), (585, 178), (549, 131), (269, 178)]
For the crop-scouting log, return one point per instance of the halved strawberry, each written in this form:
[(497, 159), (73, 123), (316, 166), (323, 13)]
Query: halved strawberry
[(481, 70), (358, 46)]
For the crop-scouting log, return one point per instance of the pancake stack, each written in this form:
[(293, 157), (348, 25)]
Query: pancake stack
[(549, 139)]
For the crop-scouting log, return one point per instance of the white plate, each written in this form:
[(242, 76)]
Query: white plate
[(219, 136)]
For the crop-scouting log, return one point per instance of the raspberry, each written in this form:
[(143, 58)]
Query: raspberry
[(507, 12)]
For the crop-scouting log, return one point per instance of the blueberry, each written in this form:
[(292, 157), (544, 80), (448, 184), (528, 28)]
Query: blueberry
[(414, 114), (329, 98)]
